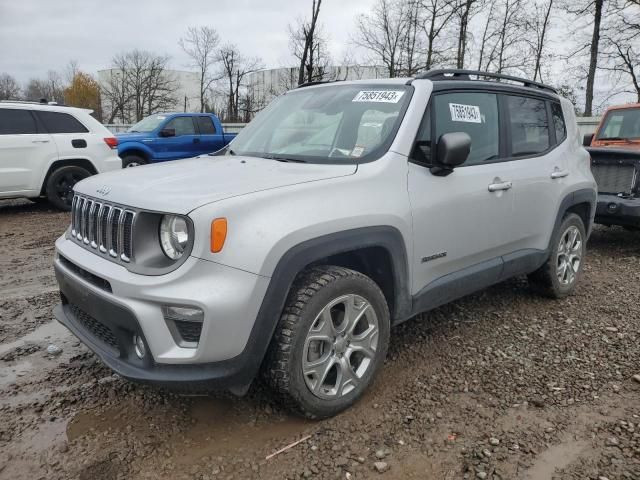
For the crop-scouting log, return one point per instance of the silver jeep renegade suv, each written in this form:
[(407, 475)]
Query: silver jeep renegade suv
[(342, 210)]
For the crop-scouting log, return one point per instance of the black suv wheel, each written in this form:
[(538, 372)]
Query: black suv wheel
[(59, 188)]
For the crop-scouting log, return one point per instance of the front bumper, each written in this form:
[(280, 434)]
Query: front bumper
[(104, 305), (614, 210)]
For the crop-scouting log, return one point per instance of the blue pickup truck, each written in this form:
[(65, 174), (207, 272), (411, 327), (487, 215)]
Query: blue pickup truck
[(170, 136)]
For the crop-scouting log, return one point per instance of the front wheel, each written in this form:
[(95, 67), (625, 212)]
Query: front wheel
[(330, 342), (60, 185), (560, 274), (129, 161)]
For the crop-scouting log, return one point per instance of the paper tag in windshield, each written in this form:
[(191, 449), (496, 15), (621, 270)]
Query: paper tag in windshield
[(378, 96), (465, 113), (357, 151)]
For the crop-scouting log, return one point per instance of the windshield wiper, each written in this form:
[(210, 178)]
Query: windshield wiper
[(613, 138), (270, 156)]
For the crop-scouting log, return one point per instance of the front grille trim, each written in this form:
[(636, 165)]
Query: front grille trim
[(614, 178), (100, 227)]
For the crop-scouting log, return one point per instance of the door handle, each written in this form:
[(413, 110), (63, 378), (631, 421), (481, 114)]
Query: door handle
[(196, 140), (557, 173), (495, 187), (39, 141)]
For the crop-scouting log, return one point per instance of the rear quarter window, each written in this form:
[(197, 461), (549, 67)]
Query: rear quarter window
[(58, 122), (559, 124)]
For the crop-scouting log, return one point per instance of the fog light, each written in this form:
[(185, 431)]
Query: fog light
[(139, 346), (183, 314)]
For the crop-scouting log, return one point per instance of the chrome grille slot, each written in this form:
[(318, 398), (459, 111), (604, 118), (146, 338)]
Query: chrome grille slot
[(613, 178), (107, 229)]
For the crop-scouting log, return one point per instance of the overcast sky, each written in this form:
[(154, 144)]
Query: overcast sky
[(41, 35)]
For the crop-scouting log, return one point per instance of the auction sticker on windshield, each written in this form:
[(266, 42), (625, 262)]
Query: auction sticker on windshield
[(465, 113), (379, 96)]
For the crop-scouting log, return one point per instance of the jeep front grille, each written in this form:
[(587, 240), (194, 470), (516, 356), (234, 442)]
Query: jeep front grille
[(612, 178), (102, 227)]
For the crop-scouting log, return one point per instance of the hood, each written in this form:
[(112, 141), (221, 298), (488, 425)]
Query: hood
[(183, 185)]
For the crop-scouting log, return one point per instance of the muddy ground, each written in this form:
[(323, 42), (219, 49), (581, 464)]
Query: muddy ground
[(503, 384)]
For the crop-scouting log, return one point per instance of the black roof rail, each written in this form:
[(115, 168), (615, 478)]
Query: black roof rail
[(459, 74), (319, 82)]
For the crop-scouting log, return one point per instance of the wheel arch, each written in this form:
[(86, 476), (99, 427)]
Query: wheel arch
[(370, 248), (581, 202), (138, 150), (70, 162)]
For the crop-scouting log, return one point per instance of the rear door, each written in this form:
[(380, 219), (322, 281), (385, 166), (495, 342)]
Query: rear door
[(25, 152), (211, 140), (538, 148), (184, 144), (73, 139)]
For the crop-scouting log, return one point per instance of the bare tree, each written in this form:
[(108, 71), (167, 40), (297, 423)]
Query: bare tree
[(539, 25), (437, 16), (308, 45), (200, 44), (50, 88), (235, 67), (381, 33), (9, 88), (138, 85), (465, 11)]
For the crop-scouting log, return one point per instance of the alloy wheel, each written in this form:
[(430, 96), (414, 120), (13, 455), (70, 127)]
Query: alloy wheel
[(340, 346), (569, 255)]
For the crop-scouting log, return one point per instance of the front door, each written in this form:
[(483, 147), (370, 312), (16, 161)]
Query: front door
[(461, 221), (184, 144)]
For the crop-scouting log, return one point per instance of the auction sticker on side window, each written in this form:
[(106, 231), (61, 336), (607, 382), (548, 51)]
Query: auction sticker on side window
[(465, 113), (379, 96)]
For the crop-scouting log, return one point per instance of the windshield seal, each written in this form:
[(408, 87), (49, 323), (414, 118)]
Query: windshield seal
[(377, 152)]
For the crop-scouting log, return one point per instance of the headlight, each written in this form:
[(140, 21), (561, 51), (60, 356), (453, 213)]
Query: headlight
[(174, 236)]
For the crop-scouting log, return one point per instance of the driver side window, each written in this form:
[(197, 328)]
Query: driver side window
[(474, 113), (182, 126)]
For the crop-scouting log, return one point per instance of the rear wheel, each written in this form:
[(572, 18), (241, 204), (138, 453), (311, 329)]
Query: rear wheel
[(60, 185), (129, 161), (330, 342), (560, 274)]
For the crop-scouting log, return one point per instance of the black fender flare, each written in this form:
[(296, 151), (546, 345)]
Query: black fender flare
[(584, 195), (308, 252)]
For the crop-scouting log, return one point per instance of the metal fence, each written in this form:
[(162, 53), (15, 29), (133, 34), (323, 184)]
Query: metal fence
[(123, 127)]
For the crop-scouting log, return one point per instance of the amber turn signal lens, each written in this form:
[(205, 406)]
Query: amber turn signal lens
[(218, 234)]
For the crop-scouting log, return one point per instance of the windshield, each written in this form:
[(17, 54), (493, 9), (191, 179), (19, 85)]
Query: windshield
[(621, 125), (148, 124), (333, 124)]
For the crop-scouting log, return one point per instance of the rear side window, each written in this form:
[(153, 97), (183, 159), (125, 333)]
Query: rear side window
[(182, 126), (474, 113), (58, 122), (558, 122), (529, 125), (16, 122), (206, 126)]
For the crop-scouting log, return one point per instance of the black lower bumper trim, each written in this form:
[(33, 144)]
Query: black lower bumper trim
[(234, 374), (614, 210)]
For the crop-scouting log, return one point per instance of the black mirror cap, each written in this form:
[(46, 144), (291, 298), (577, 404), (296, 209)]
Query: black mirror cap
[(587, 139), (168, 132), (453, 149)]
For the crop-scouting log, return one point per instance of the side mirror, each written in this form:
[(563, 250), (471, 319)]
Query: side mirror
[(168, 132), (452, 151), (587, 139)]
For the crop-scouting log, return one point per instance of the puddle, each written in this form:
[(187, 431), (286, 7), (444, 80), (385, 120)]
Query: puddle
[(44, 333), (556, 457), (220, 427), (212, 427)]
